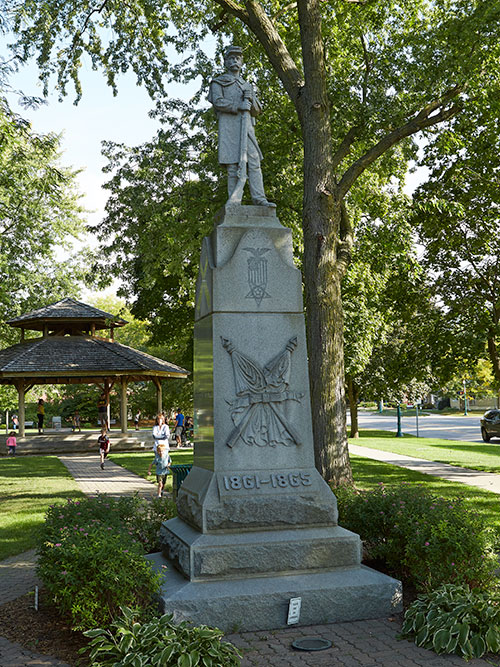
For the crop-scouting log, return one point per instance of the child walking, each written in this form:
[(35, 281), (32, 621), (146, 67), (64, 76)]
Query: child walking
[(11, 443), (162, 462), (104, 445)]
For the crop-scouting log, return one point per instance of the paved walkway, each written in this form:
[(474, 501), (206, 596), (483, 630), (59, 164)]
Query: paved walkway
[(113, 480), (366, 643), (359, 643), (489, 481), (17, 576)]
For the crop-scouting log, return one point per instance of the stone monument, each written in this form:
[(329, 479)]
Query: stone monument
[(257, 524)]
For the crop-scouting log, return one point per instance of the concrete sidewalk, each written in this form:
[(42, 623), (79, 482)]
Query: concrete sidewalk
[(370, 643), (488, 481), (113, 480)]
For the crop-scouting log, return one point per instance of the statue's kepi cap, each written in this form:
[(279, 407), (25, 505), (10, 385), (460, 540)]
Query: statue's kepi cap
[(233, 49)]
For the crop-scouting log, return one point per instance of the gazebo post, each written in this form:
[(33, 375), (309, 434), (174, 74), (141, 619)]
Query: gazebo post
[(123, 404), (108, 409), (20, 394)]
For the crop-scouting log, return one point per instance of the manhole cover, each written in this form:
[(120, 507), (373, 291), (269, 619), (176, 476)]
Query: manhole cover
[(311, 644)]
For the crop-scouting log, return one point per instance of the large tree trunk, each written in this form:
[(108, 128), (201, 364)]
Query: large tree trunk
[(353, 394), (322, 217)]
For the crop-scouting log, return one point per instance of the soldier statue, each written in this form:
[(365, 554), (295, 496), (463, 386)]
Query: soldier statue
[(236, 106)]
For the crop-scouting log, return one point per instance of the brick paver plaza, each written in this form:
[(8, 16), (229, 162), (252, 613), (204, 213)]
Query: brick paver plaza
[(365, 643)]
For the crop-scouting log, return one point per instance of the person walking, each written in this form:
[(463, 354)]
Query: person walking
[(162, 463), (15, 422), (76, 422), (104, 445), (11, 443), (40, 414), (179, 426), (161, 432), (137, 417)]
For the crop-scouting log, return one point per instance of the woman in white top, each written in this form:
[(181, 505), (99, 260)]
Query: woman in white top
[(161, 432)]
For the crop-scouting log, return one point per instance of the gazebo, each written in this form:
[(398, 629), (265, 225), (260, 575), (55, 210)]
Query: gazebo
[(70, 351)]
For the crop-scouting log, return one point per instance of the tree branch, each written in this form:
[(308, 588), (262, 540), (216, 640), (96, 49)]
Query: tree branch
[(256, 19), (235, 9), (421, 121), (285, 9), (344, 247), (90, 14), (265, 31), (345, 146), (368, 67)]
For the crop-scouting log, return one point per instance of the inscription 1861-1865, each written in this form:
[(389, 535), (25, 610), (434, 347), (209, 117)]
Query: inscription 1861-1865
[(274, 480)]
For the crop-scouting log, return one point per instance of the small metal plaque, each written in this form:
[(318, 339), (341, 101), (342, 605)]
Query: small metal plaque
[(311, 644), (294, 610)]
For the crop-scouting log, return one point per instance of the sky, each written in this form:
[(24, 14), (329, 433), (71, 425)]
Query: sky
[(99, 116)]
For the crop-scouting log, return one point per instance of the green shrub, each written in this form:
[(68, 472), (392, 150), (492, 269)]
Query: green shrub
[(91, 555), (93, 570), (423, 539), (454, 619), (158, 642), (145, 525), (139, 518)]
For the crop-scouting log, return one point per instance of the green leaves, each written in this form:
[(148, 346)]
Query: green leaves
[(39, 213), (455, 620), (424, 540), (160, 642)]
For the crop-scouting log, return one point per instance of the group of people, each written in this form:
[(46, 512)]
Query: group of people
[(40, 412), (11, 441), (161, 447)]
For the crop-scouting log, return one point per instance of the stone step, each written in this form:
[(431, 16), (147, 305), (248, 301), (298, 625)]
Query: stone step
[(74, 443), (343, 594), (258, 553)]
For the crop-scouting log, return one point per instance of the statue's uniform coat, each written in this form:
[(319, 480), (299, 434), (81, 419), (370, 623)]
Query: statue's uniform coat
[(226, 94)]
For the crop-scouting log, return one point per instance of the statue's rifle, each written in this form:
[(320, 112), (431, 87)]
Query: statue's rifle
[(237, 193)]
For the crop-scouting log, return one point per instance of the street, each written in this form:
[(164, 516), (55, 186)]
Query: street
[(449, 427)]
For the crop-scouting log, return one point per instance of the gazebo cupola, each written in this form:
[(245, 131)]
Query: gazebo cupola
[(73, 350), (67, 317)]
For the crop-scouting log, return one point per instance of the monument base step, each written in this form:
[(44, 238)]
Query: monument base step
[(235, 555), (343, 594)]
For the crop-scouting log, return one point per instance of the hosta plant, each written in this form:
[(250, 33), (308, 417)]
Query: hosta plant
[(160, 642), (455, 619)]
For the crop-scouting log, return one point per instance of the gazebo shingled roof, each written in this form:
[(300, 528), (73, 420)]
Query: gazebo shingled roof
[(43, 359), (67, 311), (67, 354)]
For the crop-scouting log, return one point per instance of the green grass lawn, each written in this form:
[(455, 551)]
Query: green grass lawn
[(138, 462), (28, 485), (368, 474), (478, 456)]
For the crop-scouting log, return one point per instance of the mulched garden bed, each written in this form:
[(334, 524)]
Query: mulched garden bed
[(46, 632), (42, 631)]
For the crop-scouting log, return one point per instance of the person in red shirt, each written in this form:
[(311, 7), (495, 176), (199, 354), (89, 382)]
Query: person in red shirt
[(104, 445)]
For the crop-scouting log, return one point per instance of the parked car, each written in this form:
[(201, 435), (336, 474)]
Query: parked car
[(490, 425)]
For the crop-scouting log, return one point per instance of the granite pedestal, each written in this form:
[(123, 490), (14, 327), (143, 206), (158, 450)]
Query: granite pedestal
[(257, 523)]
